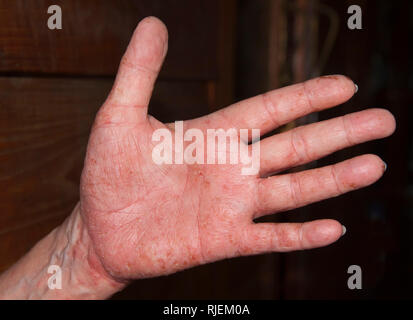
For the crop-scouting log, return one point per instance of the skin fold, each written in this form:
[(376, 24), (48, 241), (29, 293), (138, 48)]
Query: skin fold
[(136, 219)]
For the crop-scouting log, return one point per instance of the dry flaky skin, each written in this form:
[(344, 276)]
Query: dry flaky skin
[(137, 219)]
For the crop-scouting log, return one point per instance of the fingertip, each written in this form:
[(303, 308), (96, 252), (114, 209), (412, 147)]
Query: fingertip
[(152, 19), (385, 121), (331, 90), (347, 84), (149, 43), (371, 165), (361, 171), (321, 233), (371, 124), (345, 87), (156, 25)]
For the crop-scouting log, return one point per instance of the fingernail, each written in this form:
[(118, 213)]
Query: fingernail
[(385, 166), (356, 88), (344, 230)]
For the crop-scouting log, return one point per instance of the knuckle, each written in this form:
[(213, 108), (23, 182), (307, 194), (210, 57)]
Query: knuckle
[(295, 190), (288, 238), (299, 145)]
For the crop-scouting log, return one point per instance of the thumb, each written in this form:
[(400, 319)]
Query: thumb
[(138, 71)]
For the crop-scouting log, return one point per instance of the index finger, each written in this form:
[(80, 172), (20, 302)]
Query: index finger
[(275, 108)]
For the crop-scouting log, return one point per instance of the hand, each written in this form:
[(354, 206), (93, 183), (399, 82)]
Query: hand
[(147, 220)]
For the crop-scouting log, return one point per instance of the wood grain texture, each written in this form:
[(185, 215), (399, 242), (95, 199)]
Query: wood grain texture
[(95, 34), (44, 127)]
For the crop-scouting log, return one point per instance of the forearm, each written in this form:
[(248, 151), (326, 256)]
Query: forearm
[(68, 247)]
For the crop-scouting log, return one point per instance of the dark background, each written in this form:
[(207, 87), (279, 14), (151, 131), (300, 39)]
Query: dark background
[(53, 82)]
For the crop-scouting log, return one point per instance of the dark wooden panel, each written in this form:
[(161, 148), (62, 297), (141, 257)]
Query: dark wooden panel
[(44, 127), (95, 34)]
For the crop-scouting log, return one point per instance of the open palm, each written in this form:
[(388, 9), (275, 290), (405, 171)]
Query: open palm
[(146, 219)]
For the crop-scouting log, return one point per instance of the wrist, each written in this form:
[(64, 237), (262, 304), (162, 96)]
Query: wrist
[(69, 248), (83, 274)]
